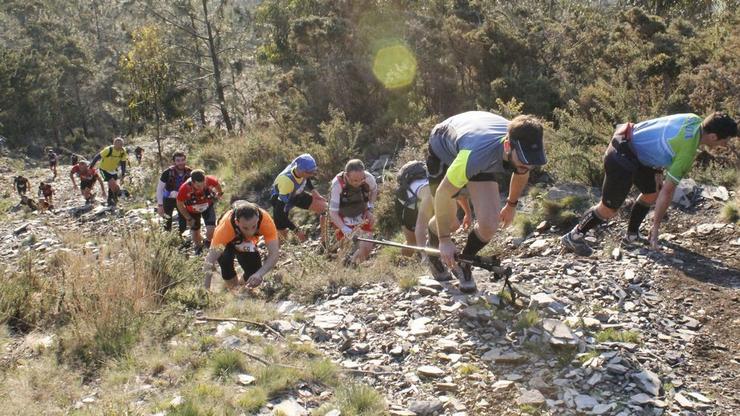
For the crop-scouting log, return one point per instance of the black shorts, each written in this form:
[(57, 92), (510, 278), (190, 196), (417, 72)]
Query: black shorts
[(249, 261), (622, 169), (407, 216), (209, 217), (87, 183), (108, 176), (437, 171), (282, 221)]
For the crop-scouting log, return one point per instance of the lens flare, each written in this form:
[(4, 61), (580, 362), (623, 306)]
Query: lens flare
[(394, 66)]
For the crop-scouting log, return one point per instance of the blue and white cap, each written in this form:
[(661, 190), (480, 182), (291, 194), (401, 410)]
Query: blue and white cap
[(305, 163)]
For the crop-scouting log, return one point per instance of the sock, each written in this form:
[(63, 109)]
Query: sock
[(638, 214), (474, 244), (433, 240), (589, 221)]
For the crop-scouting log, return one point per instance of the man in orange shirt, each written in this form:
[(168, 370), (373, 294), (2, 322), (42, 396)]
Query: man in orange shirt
[(236, 237)]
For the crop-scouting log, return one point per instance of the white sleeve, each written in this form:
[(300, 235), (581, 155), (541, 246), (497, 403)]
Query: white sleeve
[(371, 182), (335, 196), (160, 192)]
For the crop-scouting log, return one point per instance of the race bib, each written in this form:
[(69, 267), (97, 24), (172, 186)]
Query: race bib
[(200, 207), (353, 220), (245, 246), (172, 194)]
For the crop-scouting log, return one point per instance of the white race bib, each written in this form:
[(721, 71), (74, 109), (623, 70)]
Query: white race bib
[(200, 207), (245, 246)]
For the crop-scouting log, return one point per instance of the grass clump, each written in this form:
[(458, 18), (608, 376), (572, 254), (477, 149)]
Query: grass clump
[(252, 400), (226, 362), (730, 213), (612, 335), (359, 400), (324, 371), (408, 283), (277, 379), (527, 319), (468, 369)]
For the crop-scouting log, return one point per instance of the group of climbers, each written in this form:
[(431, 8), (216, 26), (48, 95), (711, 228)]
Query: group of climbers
[(465, 153)]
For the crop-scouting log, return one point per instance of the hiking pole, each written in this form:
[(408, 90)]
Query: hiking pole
[(490, 263)]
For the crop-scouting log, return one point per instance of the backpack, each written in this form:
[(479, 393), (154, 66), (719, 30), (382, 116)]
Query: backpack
[(409, 173)]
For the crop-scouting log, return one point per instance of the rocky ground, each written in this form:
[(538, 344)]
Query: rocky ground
[(628, 331)]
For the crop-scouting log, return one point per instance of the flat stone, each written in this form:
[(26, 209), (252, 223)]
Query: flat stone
[(502, 385), (648, 382), (641, 398), (560, 335), (401, 412), (223, 328), (539, 244), (430, 371), (245, 379), (328, 321), (289, 407), (446, 387), (601, 409), (425, 408), (683, 401), (585, 402), (447, 345), (616, 368), (495, 355), (530, 397), (692, 323), (700, 397)]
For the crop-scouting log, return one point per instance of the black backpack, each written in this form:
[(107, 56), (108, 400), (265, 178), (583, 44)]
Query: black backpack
[(409, 173)]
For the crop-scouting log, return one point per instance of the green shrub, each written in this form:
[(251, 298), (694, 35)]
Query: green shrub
[(226, 362), (360, 400), (252, 400)]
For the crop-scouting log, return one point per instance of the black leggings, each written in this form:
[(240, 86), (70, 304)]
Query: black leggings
[(250, 262), (169, 205), (622, 170)]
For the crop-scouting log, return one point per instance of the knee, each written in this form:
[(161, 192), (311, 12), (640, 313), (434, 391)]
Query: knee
[(486, 230)]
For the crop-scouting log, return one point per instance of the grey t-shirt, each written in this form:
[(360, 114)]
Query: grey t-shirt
[(470, 143)]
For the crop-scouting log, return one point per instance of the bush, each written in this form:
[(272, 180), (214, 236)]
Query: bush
[(226, 362), (360, 400)]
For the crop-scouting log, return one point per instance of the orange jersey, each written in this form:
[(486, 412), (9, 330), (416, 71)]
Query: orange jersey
[(225, 233)]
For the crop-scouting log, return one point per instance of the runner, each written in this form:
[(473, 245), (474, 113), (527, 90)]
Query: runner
[(139, 153), (111, 159), (87, 176), (21, 185), (351, 203), (196, 198), (46, 192), (468, 149), (53, 160), (637, 156), (236, 237), (414, 205), (169, 183), (289, 190)]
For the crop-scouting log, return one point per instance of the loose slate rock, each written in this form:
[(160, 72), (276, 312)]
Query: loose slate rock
[(430, 371), (559, 333), (530, 397), (426, 408), (648, 382)]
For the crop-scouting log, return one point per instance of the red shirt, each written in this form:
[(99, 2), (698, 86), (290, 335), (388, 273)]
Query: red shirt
[(195, 201), (46, 190), (89, 174)]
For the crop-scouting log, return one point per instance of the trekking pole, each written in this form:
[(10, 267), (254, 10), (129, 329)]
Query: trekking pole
[(490, 263)]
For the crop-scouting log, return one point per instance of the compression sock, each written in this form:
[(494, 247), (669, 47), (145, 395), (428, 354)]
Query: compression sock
[(589, 221), (638, 214), (474, 244)]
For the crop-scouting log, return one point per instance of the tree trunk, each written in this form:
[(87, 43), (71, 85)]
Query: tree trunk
[(216, 70), (199, 71), (159, 139)]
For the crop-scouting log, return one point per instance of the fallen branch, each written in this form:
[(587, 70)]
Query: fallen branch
[(349, 370), (244, 321)]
